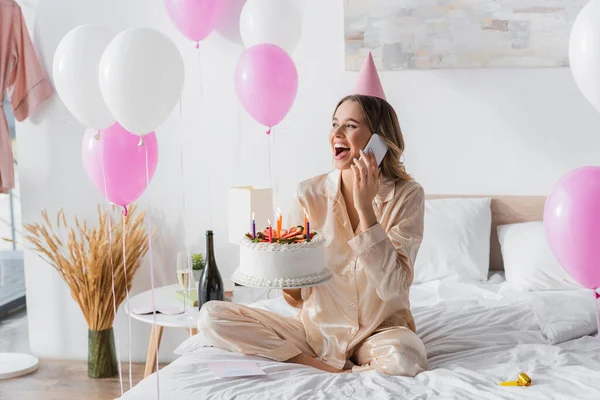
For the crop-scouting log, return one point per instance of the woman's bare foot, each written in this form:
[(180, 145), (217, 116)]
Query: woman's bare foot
[(313, 362), (348, 366)]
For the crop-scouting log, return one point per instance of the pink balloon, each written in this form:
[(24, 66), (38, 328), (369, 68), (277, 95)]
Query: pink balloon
[(572, 224), (123, 160), (196, 19), (266, 82)]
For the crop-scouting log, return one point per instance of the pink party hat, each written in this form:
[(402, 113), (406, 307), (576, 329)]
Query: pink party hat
[(368, 82)]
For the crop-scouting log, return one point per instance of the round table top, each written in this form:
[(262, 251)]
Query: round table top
[(164, 298)]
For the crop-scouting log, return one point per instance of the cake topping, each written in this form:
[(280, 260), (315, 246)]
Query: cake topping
[(293, 235)]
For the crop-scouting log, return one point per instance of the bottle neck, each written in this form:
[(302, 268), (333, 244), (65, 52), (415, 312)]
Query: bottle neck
[(210, 251)]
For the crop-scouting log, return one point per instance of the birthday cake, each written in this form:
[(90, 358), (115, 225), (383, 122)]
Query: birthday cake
[(289, 259)]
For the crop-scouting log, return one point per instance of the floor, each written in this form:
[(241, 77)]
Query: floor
[(55, 379), (60, 380)]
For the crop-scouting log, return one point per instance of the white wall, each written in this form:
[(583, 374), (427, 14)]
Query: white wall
[(467, 132)]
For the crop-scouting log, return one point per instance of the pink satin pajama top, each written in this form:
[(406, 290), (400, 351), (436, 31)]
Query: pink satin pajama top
[(372, 270), (22, 75)]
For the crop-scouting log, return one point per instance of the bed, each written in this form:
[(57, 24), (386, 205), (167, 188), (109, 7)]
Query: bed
[(477, 335)]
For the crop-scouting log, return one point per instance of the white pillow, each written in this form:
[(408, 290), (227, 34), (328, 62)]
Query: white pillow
[(528, 258), (456, 240)]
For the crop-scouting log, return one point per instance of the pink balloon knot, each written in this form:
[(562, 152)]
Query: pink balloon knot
[(197, 45), (125, 211), (597, 295), (269, 131)]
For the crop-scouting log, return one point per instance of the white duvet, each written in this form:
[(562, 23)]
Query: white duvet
[(476, 336)]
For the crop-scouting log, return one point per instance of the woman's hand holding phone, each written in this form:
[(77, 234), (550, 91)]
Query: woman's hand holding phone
[(366, 186)]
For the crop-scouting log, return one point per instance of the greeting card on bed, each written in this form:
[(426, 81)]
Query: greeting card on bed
[(230, 369)]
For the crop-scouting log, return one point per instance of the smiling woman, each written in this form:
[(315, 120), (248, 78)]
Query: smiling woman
[(372, 219)]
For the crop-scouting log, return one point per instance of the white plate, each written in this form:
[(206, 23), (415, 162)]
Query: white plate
[(13, 365)]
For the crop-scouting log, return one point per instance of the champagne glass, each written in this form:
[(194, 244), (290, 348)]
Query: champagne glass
[(184, 277)]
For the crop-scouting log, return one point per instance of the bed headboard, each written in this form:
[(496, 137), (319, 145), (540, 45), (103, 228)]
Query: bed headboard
[(506, 210)]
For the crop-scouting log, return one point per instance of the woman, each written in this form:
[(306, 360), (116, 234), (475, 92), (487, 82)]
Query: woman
[(373, 220)]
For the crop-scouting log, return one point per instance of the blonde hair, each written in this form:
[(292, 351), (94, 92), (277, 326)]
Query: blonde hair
[(380, 112)]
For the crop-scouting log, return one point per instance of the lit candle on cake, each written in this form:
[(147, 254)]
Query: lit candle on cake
[(253, 227), (305, 219), (279, 222), (306, 225), (270, 232)]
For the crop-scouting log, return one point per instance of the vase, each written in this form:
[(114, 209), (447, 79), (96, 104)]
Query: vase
[(102, 359), (197, 274)]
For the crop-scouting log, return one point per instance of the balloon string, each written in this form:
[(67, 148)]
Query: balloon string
[(208, 196), (208, 208), (596, 297), (201, 78), (112, 268), (149, 233), (269, 157), (275, 180), (182, 145), (123, 234), (284, 126), (239, 140)]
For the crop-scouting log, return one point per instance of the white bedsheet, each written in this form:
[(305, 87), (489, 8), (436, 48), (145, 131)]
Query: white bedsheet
[(476, 336)]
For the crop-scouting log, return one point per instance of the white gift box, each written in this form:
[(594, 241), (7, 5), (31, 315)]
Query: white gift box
[(243, 201)]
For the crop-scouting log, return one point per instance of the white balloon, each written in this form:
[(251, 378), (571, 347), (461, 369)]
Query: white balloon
[(267, 21), (141, 78), (584, 52), (75, 72)]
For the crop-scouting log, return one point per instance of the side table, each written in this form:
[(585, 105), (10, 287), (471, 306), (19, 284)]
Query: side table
[(165, 298)]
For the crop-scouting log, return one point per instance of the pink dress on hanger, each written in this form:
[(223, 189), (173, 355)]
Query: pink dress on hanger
[(22, 76)]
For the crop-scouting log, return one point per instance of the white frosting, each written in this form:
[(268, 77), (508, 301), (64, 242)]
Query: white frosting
[(306, 281), (279, 263)]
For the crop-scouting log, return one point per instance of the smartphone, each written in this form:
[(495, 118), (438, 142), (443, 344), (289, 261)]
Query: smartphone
[(379, 147)]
